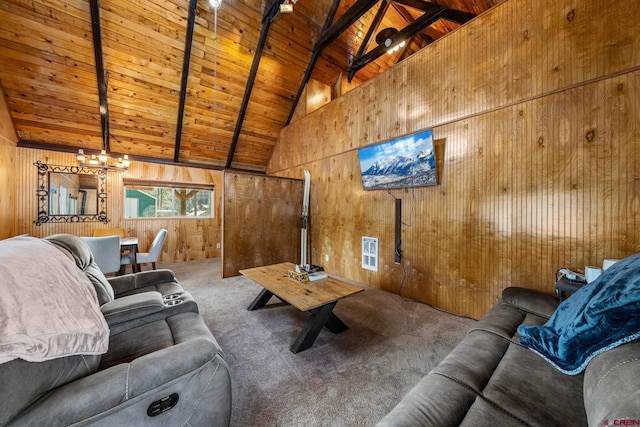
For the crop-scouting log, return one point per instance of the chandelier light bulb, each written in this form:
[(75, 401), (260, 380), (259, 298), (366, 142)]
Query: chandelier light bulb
[(80, 156), (215, 3)]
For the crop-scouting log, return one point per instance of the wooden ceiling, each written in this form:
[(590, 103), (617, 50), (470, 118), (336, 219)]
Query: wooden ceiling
[(149, 78)]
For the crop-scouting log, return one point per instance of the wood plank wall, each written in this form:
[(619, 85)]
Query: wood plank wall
[(261, 221), (8, 141), (188, 239), (536, 114)]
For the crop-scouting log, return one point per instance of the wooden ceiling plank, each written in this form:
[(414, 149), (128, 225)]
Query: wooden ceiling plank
[(23, 28), (160, 64), (50, 109), (185, 77), (61, 49), (28, 54), (54, 80), (49, 16), (46, 90), (47, 115)]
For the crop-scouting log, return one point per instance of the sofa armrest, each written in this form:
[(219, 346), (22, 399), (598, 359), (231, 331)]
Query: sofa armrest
[(531, 301), (132, 307), (130, 282)]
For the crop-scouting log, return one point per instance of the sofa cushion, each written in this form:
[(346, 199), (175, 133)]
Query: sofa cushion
[(524, 386), (76, 249), (488, 379), (150, 337), (162, 280)]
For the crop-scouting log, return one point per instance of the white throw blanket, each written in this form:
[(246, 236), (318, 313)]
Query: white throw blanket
[(48, 306)]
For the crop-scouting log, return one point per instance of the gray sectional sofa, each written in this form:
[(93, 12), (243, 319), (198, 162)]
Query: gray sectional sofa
[(490, 379), (157, 365)]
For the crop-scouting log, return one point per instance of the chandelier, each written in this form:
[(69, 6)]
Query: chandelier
[(102, 161)]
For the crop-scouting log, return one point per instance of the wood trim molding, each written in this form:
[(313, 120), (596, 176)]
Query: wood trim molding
[(170, 184)]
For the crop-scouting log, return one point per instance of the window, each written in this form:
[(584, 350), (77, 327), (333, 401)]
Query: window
[(167, 200)]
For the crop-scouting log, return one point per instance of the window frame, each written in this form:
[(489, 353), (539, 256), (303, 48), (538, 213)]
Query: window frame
[(129, 182)]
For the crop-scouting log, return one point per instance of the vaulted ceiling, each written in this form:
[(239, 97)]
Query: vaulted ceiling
[(165, 81)]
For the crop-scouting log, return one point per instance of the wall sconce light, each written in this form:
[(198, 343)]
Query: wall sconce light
[(102, 161)]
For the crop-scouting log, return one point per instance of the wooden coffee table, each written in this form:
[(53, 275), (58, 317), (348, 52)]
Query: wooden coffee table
[(318, 298)]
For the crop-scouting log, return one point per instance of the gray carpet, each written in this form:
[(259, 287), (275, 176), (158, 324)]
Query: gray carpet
[(350, 379)]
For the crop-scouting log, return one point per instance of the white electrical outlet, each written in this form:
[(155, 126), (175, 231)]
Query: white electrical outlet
[(326, 257), (217, 245)]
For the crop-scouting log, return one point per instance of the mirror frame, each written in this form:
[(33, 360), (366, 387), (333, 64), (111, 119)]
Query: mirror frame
[(43, 194)]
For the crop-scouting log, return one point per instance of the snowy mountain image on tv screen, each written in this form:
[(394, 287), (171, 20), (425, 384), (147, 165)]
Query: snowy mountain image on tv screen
[(403, 162)]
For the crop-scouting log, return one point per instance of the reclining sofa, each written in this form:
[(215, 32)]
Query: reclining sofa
[(494, 377), (131, 350)]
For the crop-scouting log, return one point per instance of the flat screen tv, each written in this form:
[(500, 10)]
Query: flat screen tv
[(408, 161)]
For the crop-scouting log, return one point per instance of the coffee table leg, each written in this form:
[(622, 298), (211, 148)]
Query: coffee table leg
[(261, 300), (312, 327), (335, 325)]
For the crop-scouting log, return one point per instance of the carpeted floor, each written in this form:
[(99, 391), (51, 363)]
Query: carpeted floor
[(349, 379)]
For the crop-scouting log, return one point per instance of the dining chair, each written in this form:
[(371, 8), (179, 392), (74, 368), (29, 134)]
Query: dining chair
[(148, 257), (114, 231), (106, 252)]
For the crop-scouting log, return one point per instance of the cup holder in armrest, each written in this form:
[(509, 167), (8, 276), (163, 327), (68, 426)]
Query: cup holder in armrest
[(171, 297), (172, 302)]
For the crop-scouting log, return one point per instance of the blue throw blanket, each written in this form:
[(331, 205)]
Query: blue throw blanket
[(600, 316)]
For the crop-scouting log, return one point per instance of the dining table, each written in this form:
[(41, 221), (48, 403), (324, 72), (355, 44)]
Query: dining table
[(129, 245)]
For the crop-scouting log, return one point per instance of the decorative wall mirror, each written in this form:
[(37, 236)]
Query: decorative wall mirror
[(71, 194)]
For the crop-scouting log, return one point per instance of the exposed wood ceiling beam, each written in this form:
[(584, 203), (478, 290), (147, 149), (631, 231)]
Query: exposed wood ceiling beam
[(345, 21), (424, 6), (409, 18), (384, 6), (406, 33), (314, 58), (270, 14), (457, 16), (185, 77), (454, 15), (100, 72), (68, 149)]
